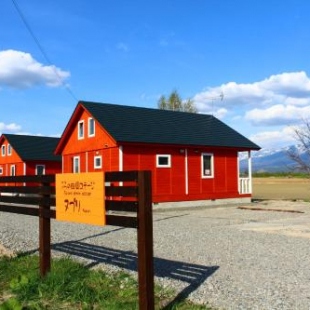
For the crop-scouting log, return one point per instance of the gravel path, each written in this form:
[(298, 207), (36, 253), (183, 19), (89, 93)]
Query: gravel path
[(226, 257)]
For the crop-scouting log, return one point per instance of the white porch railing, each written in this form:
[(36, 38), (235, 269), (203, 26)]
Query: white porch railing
[(245, 186)]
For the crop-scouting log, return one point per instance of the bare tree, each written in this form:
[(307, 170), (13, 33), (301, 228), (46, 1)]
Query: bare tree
[(175, 103), (301, 154)]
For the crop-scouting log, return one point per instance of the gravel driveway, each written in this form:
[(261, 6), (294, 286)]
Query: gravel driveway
[(227, 257)]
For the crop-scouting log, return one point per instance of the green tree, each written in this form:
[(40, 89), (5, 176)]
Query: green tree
[(175, 103)]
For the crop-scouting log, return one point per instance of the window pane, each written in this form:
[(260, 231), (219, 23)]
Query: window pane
[(162, 161), (91, 127), (40, 169), (207, 165), (81, 129)]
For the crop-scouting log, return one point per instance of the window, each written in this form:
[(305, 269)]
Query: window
[(3, 150), (91, 127), (81, 130), (76, 164), (1, 170), (9, 149), (13, 170), (97, 162), (40, 169), (163, 161), (207, 165)]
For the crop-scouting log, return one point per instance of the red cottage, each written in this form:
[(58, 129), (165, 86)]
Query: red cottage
[(193, 157), (28, 155)]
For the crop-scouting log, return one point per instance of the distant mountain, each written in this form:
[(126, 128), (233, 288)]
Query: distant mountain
[(269, 160)]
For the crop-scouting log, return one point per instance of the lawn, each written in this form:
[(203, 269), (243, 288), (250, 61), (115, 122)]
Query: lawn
[(70, 285)]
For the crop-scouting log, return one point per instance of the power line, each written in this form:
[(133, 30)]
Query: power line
[(22, 16)]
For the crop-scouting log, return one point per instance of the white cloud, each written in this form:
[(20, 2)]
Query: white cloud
[(278, 99), (20, 70), (274, 139), (9, 127), (278, 114)]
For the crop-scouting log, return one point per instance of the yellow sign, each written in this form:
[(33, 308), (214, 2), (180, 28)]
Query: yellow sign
[(80, 198)]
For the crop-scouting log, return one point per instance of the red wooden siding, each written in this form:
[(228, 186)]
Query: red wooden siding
[(169, 184), (87, 148)]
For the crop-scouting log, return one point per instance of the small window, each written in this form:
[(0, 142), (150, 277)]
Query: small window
[(91, 127), (40, 169), (81, 130), (1, 170), (97, 162), (76, 164), (9, 150), (3, 150), (207, 165), (13, 170), (163, 161)]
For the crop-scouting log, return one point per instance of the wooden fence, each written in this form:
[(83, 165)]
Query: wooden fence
[(128, 204)]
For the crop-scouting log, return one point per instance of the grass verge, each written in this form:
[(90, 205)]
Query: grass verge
[(71, 285)]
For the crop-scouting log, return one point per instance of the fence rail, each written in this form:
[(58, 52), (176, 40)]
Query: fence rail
[(128, 204)]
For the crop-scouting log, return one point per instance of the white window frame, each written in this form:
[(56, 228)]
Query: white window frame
[(81, 129), (95, 162), (43, 173), (76, 159), (90, 119), (9, 150), (3, 150), (159, 156), (205, 175), (1, 170), (12, 170)]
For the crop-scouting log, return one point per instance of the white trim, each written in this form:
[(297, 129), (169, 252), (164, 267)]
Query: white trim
[(40, 165), (12, 169), (78, 160), (80, 137), (250, 171), (88, 127), (203, 176), (3, 150), (120, 161), (186, 173), (97, 166), (86, 161), (9, 149), (120, 158), (25, 169), (168, 165)]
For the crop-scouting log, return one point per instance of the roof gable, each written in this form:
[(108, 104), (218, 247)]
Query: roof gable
[(33, 147), (144, 125)]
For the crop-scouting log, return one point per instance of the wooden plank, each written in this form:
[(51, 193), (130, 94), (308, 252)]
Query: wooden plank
[(27, 200), (33, 211), (115, 205), (20, 189), (145, 242), (28, 178), (122, 221), (121, 176), (44, 235), (125, 191)]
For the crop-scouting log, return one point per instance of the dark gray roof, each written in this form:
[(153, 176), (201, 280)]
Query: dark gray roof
[(144, 125), (34, 147)]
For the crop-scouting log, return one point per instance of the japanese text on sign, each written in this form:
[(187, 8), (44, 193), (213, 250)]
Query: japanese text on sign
[(80, 197)]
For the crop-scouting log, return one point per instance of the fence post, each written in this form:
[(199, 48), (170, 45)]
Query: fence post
[(44, 231), (145, 242)]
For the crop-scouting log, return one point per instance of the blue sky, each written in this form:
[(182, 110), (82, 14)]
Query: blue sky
[(130, 52)]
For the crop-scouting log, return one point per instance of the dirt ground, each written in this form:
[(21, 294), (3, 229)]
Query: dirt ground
[(281, 188)]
